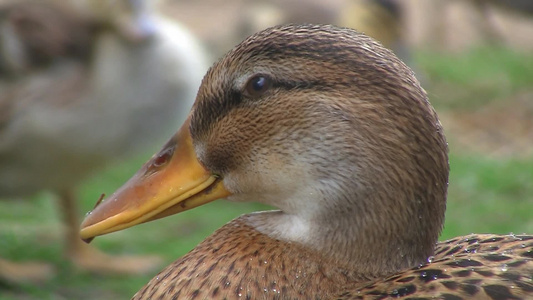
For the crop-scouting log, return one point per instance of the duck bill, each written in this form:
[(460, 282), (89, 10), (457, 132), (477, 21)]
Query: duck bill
[(172, 181)]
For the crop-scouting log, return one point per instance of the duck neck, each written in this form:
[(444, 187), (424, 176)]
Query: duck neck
[(369, 237)]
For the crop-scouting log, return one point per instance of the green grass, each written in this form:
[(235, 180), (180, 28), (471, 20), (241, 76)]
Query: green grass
[(486, 195), (489, 196), (469, 80)]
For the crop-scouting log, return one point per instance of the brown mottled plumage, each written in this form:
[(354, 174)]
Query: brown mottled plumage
[(477, 266), (250, 264), (335, 131)]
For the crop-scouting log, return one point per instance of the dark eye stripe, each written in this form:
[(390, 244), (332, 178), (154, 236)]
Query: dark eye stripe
[(290, 85), (217, 107)]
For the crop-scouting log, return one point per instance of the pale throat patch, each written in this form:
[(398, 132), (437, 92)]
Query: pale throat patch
[(282, 226), (296, 219)]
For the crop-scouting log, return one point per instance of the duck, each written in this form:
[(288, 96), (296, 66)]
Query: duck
[(334, 131), (82, 85)]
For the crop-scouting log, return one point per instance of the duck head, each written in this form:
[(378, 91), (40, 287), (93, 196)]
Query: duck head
[(321, 122)]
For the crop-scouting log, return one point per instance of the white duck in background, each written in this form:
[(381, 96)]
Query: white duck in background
[(75, 89)]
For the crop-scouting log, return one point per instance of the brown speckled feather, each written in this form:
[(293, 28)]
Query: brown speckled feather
[(250, 265), (477, 266), (254, 266)]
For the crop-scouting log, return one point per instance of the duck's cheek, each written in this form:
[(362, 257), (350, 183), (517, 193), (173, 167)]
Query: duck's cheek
[(265, 186), (247, 185)]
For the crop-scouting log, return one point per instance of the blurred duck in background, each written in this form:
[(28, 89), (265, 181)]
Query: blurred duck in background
[(80, 83), (380, 19)]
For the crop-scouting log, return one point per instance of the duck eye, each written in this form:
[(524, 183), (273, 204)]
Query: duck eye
[(258, 85)]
